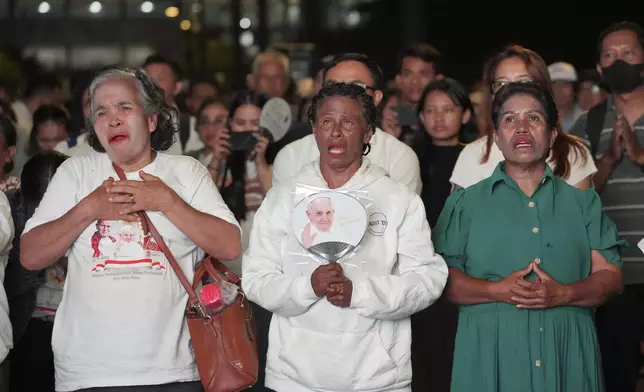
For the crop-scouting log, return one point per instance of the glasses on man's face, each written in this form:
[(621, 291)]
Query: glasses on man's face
[(217, 122), (496, 86), (366, 88)]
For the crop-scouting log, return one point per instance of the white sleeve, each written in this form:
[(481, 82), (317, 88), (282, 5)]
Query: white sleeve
[(194, 142), (579, 169), (60, 197), (6, 228), (467, 166), (203, 195), (406, 170), (422, 274), (62, 147), (263, 279), (281, 166)]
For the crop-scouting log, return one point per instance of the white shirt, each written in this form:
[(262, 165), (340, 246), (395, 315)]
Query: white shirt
[(469, 170), (121, 320), (314, 345), (397, 158), (6, 243), (81, 148), (24, 124), (194, 142), (24, 118)]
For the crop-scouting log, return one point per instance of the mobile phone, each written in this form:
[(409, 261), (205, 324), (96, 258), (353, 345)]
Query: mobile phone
[(242, 141), (406, 116)]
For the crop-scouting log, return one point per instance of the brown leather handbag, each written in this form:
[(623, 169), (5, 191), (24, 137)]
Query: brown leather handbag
[(224, 345)]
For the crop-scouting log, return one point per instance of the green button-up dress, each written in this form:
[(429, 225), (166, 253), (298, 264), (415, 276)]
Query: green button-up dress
[(492, 229)]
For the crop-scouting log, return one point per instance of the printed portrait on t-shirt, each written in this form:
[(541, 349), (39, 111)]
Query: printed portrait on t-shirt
[(102, 239), (121, 247)]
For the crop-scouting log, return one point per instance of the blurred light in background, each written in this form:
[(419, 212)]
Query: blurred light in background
[(353, 18), (95, 7), (147, 7), (185, 25), (172, 12), (246, 39), (244, 23), (293, 14), (44, 7), (196, 8)]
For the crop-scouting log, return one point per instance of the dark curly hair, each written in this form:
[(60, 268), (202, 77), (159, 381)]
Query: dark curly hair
[(153, 102), (353, 91)]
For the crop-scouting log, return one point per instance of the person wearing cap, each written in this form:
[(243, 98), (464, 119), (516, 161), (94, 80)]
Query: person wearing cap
[(591, 91), (564, 78)]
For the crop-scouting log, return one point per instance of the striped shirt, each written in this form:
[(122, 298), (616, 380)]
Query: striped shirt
[(623, 195)]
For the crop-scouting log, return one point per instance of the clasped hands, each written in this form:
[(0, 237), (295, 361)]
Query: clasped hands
[(541, 293), (624, 140), (329, 280), (121, 200)]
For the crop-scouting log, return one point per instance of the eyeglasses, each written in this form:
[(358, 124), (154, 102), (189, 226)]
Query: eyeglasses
[(365, 87), (218, 121), (496, 86), (361, 85)]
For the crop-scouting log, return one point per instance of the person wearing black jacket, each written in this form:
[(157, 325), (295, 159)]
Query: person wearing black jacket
[(32, 359), (446, 119)]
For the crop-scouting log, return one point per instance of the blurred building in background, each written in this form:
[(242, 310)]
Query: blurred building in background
[(217, 37)]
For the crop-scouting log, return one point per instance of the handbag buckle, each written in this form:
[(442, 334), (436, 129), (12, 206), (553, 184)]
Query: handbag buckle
[(197, 310)]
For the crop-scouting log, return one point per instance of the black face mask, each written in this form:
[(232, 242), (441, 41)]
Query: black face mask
[(622, 77)]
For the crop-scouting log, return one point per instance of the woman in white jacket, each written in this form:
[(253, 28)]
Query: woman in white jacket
[(338, 329)]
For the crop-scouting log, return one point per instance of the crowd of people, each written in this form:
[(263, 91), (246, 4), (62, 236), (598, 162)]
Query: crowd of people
[(500, 251)]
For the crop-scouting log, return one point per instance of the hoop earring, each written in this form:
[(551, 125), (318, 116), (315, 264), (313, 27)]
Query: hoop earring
[(366, 149)]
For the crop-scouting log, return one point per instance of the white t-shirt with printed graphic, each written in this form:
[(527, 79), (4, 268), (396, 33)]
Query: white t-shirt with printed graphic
[(121, 319)]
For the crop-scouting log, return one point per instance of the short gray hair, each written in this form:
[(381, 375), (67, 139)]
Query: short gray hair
[(272, 56), (153, 101)]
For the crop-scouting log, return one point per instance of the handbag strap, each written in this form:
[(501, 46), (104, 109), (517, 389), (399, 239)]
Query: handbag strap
[(192, 295)]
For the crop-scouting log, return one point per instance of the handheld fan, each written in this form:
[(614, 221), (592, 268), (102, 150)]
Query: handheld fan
[(329, 225), (276, 118)]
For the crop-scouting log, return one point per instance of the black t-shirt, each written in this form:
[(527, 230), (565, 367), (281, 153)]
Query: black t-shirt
[(436, 166)]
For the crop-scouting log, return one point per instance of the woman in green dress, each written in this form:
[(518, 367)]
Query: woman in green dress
[(530, 257)]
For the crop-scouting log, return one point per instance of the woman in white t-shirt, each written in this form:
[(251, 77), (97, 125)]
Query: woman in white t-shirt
[(124, 327), (569, 157)]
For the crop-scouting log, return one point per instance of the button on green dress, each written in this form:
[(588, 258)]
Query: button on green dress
[(492, 229)]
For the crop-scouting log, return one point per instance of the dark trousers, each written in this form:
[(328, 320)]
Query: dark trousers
[(32, 359), (174, 387), (262, 321), (433, 333), (620, 329)]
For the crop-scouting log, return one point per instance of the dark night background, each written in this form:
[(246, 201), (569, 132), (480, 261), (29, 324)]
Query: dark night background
[(467, 32)]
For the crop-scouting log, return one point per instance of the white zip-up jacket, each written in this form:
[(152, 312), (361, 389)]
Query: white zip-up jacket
[(316, 346)]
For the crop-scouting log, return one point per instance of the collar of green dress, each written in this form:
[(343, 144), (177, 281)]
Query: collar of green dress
[(499, 176)]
